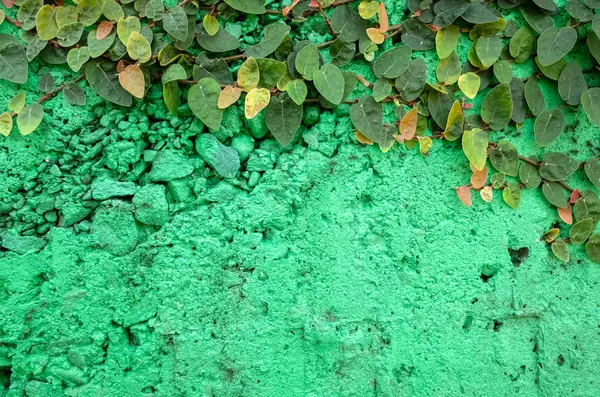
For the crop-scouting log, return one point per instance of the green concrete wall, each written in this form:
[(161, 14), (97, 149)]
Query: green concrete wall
[(327, 269)]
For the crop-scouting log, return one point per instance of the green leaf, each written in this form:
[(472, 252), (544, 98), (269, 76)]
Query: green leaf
[(474, 144), (548, 126), (517, 92), (171, 95), (511, 194), (529, 175), (381, 89), (537, 19), (68, 35), (446, 11), (503, 71), (17, 102), (223, 41), (446, 40), (547, 5), (113, 11), (560, 250), (271, 72), (579, 11), (592, 170), (596, 24), (46, 84), (45, 22), (488, 50), (125, 27), (571, 84), (592, 248), (247, 6), (90, 11), (455, 122), (27, 13), (534, 97), (203, 99), (30, 118), (367, 117), (138, 48), (155, 10), (307, 61), (175, 22), (590, 103), (479, 13), (13, 62), (410, 84), (593, 44), (98, 47), (74, 94), (417, 35), (439, 106), (487, 29), (34, 48), (496, 109), (392, 63), (448, 69), (347, 24), (283, 117), (173, 73), (216, 69), (77, 57), (329, 81), (65, 15), (6, 124), (273, 36), (552, 71), (521, 44), (341, 52), (498, 180), (505, 158), (557, 166), (555, 194), (104, 80), (469, 84), (248, 74), (297, 91), (581, 231), (588, 206), (554, 43)]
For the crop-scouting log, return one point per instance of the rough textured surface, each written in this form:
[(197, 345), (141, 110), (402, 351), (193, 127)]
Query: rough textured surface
[(327, 269)]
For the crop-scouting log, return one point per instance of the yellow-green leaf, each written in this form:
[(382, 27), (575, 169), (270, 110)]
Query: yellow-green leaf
[(512, 195), (211, 24), (425, 144), (446, 40), (45, 23), (6, 123), (90, 11), (30, 118), (112, 10), (125, 27), (248, 75), (454, 125), (256, 100), (132, 80), (367, 9), (448, 69), (138, 48), (469, 84), (66, 15), (560, 250), (475, 143), (77, 57), (17, 102)]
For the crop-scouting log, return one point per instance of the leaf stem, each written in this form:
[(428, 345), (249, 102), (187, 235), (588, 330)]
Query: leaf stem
[(537, 164)]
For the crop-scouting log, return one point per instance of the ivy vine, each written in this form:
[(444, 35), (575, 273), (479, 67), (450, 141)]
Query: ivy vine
[(122, 47)]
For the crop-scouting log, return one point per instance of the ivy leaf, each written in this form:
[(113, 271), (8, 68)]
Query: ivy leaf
[(488, 29), (521, 44), (307, 61), (560, 250), (392, 63), (479, 13), (6, 124), (469, 84), (571, 84), (175, 23), (216, 69), (155, 10), (248, 75), (203, 99), (329, 81), (498, 180), (74, 94), (138, 48), (557, 166), (552, 71), (454, 124), (417, 35), (410, 84), (68, 35), (408, 124), (30, 118), (505, 158), (587, 206), (446, 11), (229, 96), (488, 50), (256, 100), (548, 126), (98, 47), (446, 40), (367, 117), (503, 71), (132, 80), (90, 11), (511, 194), (171, 94), (17, 102), (77, 57), (464, 194), (537, 19), (554, 43), (439, 106), (592, 170), (474, 144), (173, 73), (479, 177), (565, 214), (579, 11), (341, 52), (34, 48), (247, 6), (590, 102), (46, 84), (592, 248), (425, 144), (13, 62), (529, 175), (104, 80), (496, 109), (27, 13), (273, 36), (555, 194), (487, 194), (448, 69), (534, 97), (271, 72), (381, 89), (125, 27), (547, 5), (347, 24), (45, 22), (283, 117), (376, 36), (517, 92), (581, 231), (297, 91), (551, 235), (368, 9)]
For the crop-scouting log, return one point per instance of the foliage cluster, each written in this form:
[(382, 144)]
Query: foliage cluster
[(121, 48)]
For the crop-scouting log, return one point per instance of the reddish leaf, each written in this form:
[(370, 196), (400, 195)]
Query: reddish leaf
[(383, 18), (479, 178), (566, 214), (314, 4), (288, 9), (103, 30), (464, 194), (574, 196), (8, 3), (408, 124)]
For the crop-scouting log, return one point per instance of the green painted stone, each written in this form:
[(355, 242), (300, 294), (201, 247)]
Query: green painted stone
[(170, 165), (22, 244), (114, 230), (106, 189), (151, 207), (244, 145), (72, 213), (223, 159), (180, 189)]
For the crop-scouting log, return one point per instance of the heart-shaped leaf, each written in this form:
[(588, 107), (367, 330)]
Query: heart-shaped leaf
[(203, 99), (554, 43), (283, 117), (548, 126), (329, 81), (256, 100)]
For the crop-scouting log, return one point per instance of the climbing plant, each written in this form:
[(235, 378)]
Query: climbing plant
[(121, 48)]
